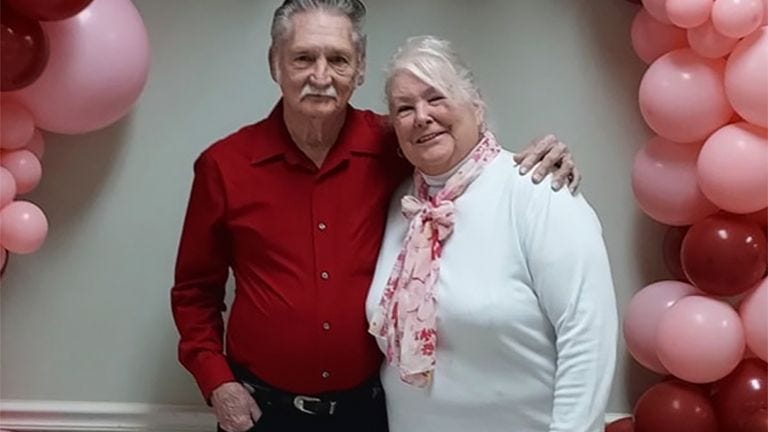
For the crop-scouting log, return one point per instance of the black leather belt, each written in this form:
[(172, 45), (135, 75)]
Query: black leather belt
[(323, 404)]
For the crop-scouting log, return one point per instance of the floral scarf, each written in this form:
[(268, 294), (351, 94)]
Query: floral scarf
[(405, 317)]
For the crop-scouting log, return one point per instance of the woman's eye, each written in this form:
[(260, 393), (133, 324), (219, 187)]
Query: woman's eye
[(403, 109), (434, 99)]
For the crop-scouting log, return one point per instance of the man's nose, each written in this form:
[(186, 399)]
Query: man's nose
[(320, 74)]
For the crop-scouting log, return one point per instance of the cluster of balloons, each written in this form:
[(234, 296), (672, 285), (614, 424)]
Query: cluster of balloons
[(67, 66), (705, 173)]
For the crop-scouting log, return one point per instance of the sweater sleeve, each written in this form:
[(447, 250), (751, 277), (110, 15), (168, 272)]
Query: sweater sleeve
[(569, 267), (202, 269)]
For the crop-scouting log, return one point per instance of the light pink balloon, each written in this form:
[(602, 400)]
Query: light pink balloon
[(665, 183), (700, 339), (7, 187), (651, 39), (23, 227), (754, 316), (737, 18), (733, 168), (97, 69), (657, 9), (765, 13), (641, 319), (16, 125), (36, 145), (708, 42), (746, 80), (689, 13), (682, 96), (25, 167)]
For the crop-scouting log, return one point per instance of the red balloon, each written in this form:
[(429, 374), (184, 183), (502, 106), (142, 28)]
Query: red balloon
[(674, 406), (724, 256), (673, 240), (741, 394), (621, 425), (48, 10), (757, 422), (24, 51)]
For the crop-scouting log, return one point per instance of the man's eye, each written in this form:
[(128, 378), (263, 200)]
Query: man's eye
[(303, 59), (338, 60)]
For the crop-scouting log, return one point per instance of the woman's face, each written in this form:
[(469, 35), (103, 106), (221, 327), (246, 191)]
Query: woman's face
[(435, 132)]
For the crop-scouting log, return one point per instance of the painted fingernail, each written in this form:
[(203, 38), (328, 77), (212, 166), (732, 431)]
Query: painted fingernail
[(523, 170), (537, 177), (555, 185)]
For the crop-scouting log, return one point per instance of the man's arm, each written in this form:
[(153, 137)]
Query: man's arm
[(553, 158), (202, 268)]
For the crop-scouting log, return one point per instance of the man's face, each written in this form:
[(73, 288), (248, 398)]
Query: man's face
[(316, 64)]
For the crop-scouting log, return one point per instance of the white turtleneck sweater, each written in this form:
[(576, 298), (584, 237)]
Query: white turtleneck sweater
[(526, 314)]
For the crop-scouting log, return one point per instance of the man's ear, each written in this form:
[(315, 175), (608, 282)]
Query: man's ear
[(273, 68), (361, 72)]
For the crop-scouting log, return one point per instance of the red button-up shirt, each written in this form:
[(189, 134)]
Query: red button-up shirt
[(302, 244)]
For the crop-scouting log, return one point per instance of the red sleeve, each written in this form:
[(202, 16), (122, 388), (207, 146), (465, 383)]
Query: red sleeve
[(202, 268)]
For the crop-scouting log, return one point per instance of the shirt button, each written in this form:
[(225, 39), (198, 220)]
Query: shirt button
[(321, 226), (325, 374), (325, 275), (326, 326)]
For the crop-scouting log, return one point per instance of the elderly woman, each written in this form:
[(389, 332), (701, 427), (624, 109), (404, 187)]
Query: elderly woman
[(492, 297)]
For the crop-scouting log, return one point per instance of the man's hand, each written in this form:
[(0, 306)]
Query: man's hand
[(555, 159), (235, 409)]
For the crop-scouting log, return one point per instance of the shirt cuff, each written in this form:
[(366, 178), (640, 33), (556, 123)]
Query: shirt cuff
[(211, 371)]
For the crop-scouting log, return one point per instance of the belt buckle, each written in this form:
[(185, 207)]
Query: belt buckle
[(299, 400)]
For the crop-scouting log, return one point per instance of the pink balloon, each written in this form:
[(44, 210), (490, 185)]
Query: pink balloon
[(688, 13), (36, 145), (657, 9), (641, 319), (651, 39), (23, 227), (16, 125), (700, 339), (7, 187), (682, 96), (25, 167), (737, 18), (765, 13), (708, 42), (733, 168), (754, 316), (97, 69), (665, 183), (746, 82)]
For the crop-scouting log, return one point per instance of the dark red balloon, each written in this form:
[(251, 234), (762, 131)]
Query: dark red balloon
[(740, 394), (48, 10), (673, 241), (723, 255), (674, 406), (757, 422), (621, 425), (23, 50)]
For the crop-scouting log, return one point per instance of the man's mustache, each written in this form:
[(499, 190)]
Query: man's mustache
[(310, 90)]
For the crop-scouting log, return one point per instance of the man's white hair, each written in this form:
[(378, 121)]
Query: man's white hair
[(434, 61)]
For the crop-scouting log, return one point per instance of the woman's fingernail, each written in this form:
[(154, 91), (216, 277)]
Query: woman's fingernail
[(523, 170), (537, 177), (555, 185)]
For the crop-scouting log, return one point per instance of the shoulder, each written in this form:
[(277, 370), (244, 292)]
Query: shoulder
[(233, 144)]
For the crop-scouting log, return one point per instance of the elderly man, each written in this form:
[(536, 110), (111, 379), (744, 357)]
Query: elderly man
[(296, 205)]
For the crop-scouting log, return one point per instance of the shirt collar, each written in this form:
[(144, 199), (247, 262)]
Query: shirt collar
[(362, 133)]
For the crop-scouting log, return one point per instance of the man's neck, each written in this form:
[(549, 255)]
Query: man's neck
[(315, 136)]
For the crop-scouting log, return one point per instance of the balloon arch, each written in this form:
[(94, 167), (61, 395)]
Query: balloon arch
[(704, 173), (70, 67)]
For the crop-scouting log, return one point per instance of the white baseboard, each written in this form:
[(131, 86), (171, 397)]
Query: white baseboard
[(52, 416)]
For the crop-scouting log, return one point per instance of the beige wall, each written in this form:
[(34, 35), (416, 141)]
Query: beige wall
[(87, 316)]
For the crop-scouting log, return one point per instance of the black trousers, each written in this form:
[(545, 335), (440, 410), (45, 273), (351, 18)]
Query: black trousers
[(352, 414)]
